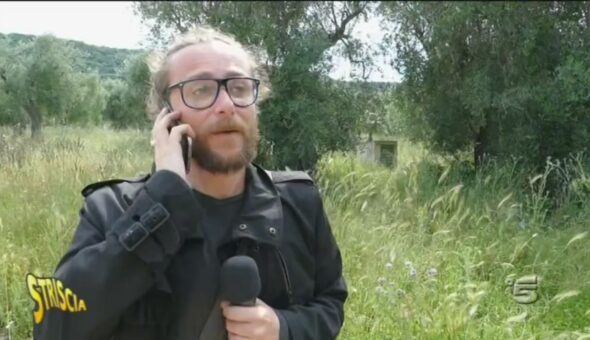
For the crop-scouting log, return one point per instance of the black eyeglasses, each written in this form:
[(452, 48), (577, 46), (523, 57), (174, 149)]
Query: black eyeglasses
[(200, 94)]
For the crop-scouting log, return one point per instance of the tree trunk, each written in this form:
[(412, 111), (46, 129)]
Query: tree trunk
[(36, 118), (480, 147)]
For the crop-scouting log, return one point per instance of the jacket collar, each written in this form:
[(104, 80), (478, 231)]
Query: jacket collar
[(261, 216)]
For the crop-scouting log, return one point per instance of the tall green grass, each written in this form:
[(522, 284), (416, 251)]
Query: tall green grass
[(40, 184), (427, 248)]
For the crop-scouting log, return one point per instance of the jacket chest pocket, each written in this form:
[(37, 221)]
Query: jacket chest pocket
[(275, 279), (297, 275)]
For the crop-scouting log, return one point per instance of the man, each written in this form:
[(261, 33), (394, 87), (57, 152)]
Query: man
[(146, 254)]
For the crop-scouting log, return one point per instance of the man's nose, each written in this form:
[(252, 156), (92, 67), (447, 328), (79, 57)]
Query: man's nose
[(224, 104)]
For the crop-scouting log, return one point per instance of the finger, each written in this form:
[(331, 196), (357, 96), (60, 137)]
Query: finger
[(232, 336), (239, 328), (161, 114), (160, 130), (180, 130), (241, 314), (159, 117), (167, 119)]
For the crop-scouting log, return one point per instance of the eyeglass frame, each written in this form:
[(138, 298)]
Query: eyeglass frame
[(219, 82)]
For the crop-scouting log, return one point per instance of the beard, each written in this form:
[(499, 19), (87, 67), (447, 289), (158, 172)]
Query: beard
[(215, 163)]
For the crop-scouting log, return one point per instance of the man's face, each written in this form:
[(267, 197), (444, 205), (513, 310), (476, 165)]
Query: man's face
[(226, 135)]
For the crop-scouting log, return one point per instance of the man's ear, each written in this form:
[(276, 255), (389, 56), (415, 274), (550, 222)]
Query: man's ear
[(166, 104)]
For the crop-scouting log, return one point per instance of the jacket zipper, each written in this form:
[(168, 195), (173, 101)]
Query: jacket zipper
[(285, 276)]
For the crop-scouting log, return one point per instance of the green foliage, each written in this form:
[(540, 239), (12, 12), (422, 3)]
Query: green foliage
[(316, 118), (53, 80), (115, 108), (38, 77), (374, 101), (126, 105), (87, 107), (9, 114), (501, 79), (40, 82)]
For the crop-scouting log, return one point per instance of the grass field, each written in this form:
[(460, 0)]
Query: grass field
[(427, 248)]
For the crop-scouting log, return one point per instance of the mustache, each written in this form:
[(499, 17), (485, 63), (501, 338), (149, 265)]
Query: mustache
[(227, 125)]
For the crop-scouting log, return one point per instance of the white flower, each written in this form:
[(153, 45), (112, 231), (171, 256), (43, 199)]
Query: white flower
[(388, 265), (431, 272), (381, 281)]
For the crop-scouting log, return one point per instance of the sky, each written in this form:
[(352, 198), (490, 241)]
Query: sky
[(113, 24)]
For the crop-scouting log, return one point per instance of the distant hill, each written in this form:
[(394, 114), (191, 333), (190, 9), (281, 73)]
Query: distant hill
[(107, 61)]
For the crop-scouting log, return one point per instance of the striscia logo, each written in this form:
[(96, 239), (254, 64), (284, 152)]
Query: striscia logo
[(50, 293)]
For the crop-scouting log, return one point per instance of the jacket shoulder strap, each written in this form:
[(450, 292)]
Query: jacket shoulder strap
[(90, 188), (289, 176)]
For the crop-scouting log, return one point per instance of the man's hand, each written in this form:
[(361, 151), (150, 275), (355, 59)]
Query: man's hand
[(258, 322), (167, 150)]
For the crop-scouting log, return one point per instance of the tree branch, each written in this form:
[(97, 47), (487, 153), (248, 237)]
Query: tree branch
[(340, 30), (334, 19), (321, 22), (176, 18), (3, 77)]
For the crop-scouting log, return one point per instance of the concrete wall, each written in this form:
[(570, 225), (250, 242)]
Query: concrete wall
[(372, 152)]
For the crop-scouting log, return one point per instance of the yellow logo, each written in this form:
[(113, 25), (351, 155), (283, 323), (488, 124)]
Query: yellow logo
[(49, 293)]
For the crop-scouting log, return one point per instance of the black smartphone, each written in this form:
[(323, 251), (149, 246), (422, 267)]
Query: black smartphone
[(185, 143)]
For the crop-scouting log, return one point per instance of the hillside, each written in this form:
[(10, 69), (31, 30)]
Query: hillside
[(105, 60)]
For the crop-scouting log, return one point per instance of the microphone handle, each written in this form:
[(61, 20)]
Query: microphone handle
[(247, 303)]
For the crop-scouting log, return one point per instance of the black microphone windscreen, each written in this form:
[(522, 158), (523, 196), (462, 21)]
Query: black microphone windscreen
[(239, 280)]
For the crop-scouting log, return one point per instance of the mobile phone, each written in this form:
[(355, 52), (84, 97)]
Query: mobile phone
[(185, 142)]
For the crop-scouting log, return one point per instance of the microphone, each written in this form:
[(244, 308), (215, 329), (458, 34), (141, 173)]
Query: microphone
[(240, 281)]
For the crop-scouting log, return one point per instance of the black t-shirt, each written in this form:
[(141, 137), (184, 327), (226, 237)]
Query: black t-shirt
[(219, 214)]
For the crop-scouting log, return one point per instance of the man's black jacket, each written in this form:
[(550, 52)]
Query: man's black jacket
[(141, 264)]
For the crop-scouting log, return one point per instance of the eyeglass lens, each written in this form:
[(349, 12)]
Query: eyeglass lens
[(200, 93)]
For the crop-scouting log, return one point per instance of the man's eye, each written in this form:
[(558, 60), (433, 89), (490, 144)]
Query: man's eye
[(239, 90), (201, 90)]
